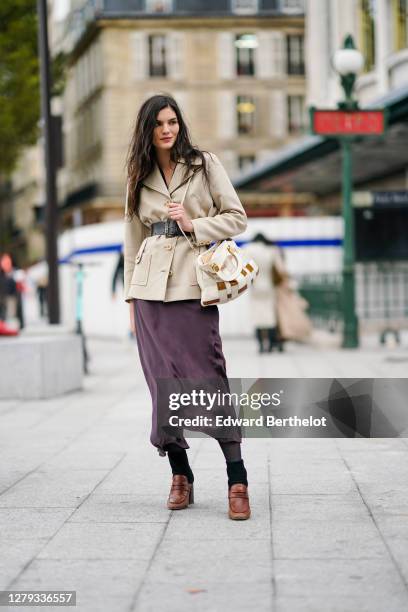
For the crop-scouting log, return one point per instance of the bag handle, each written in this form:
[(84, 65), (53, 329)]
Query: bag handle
[(182, 202)]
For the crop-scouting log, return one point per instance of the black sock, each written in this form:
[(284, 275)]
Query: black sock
[(231, 450), (179, 461), (237, 473)]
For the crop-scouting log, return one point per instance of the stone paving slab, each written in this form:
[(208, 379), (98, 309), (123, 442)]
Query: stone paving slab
[(103, 541), (218, 597), (83, 502), (114, 508), (394, 530), (215, 560), (338, 585), (317, 539), (101, 585), (52, 489)]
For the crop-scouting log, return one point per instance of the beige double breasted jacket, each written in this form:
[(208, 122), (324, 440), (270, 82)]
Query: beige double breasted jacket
[(160, 268)]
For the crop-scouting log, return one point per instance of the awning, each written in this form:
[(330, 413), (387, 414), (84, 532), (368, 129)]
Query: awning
[(313, 164)]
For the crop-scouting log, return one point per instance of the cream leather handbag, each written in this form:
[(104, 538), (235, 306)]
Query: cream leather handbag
[(224, 272)]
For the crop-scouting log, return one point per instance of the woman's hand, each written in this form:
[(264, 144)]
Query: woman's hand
[(177, 213)]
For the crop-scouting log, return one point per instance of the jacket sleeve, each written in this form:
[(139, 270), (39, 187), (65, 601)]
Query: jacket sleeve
[(231, 218), (135, 233)]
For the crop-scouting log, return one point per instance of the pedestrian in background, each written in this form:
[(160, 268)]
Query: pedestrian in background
[(19, 276), (42, 288), (293, 322), (174, 186), (6, 264), (3, 294), (262, 293), (8, 296)]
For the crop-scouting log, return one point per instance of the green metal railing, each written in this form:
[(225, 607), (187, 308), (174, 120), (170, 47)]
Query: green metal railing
[(323, 294), (381, 297)]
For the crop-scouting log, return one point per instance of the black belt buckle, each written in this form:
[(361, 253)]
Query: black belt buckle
[(170, 228)]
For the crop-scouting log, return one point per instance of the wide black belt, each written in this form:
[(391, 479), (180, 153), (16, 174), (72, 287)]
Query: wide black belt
[(168, 228)]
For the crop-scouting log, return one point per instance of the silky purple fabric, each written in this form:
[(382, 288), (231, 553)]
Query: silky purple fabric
[(178, 339)]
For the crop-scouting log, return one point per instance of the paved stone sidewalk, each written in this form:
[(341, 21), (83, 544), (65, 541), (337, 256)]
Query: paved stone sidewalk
[(82, 502)]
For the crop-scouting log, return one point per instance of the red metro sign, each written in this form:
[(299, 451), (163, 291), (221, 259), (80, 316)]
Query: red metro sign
[(342, 123)]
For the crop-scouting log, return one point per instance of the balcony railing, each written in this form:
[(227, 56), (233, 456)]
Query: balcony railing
[(90, 10)]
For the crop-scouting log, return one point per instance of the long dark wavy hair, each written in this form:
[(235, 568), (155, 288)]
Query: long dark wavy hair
[(141, 155)]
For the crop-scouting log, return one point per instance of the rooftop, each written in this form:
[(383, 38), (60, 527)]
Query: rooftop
[(89, 11)]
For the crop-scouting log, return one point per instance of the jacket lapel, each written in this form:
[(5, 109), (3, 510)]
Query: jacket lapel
[(179, 176), (155, 180)]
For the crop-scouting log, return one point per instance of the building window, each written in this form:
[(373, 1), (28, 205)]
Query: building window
[(245, 7), (245, 45), (400, 13), (245, 114), (158, 6), (245, 162), (296, 114), (367, 16), (157, 55), (293, 6), (295, 54)]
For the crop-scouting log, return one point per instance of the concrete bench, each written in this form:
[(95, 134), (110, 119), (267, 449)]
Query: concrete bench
[(40, 366)]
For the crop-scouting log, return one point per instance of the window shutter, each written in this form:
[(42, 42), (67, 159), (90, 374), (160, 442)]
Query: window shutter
[(278, 114), (226, 55), (278, 54), (229, 160), (264, 55), (98, 63), (181, 98), (175, 55), (226, 114), (139, 54)]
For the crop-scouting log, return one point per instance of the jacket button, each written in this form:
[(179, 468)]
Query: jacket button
[(170, 272), (168, 247)]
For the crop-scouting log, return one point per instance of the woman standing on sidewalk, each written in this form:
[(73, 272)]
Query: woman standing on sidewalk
[(176, 336)]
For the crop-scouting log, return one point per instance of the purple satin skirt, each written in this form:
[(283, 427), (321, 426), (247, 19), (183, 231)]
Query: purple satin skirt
[(178, 340)]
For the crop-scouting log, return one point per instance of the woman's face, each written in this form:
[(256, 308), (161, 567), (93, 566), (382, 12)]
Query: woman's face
[(166, 130)]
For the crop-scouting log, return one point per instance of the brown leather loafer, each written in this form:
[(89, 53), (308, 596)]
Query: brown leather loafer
[(238, 499), (181, 493)]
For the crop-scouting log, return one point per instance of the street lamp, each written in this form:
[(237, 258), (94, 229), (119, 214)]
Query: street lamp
[(345, 123), (348, 62)]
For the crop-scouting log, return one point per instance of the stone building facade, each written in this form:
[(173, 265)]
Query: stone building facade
[(380, 31), (236, 68)]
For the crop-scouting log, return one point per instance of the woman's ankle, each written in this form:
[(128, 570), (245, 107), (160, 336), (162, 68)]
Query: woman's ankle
[(236, 473), (178, 460)]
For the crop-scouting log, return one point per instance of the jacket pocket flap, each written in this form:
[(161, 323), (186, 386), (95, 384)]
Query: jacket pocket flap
[(140, 274), (140, 251)]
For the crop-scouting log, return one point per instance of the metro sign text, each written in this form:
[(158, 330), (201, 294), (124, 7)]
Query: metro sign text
[(339, 122)]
